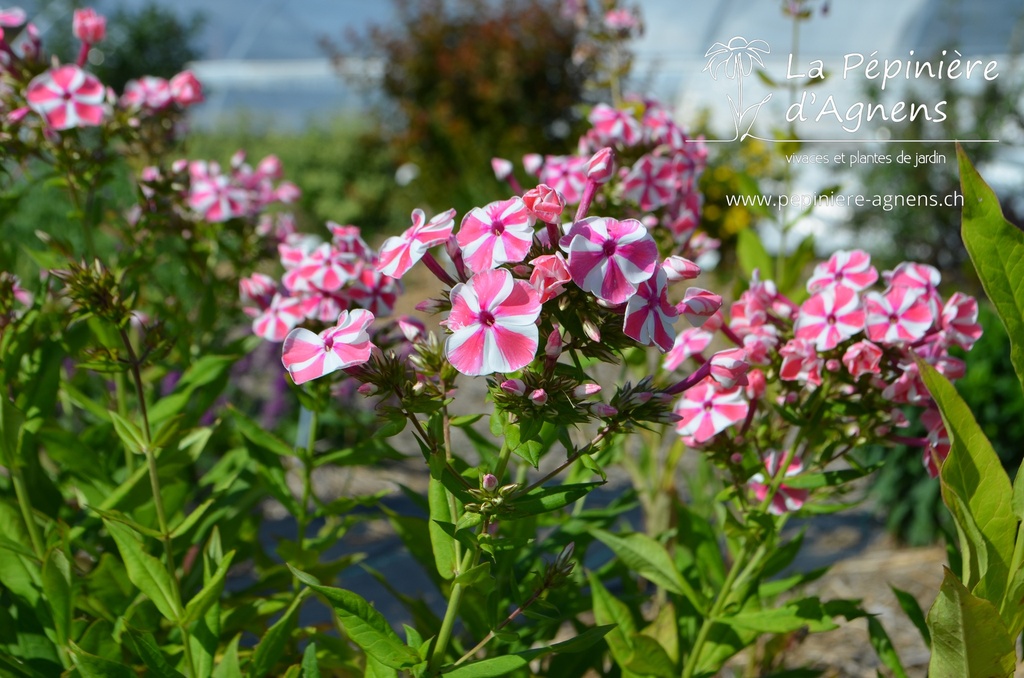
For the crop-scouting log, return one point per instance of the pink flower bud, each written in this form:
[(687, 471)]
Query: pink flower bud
[(430, 306), (412, 329), (186, 89), (269, 167), (736, 458), (832, 365), (698, 305), (489, 482), (729, 367), (88, 26), (367, 390), (532, 162), (553, 346), (680, 268), (514, 387), (287, 192), (179, 166), (590, 329), (539, 397), (603, 410), (502, 168), (545, 203), (549, 276), (585, 391), (601, 167), (756, 384)]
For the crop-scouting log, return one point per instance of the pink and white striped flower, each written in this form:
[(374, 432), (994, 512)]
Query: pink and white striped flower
[(902, 314), (680, 268), (649, 315), (565, 174), (67, 97), (830, 316), (493, 323), (549, 275), (918, 276), (959, 321), (609, 258), (283, 313), (849, 268), (612, 126), (309, 356), (698, 305), (399, 253), (707, 409), (186, 90), (863, 358), (374, 291), (544, 203), (88, 26), (496, 234), (326, 268), (212, 195), (149, 92), (651, 182), (257, 289), (690, 342), (800, 362), (729, 367), (786, 498)]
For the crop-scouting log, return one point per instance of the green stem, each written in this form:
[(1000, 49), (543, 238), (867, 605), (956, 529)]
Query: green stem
[(122, 409), (450, 615), (306, 459), (21, 490)]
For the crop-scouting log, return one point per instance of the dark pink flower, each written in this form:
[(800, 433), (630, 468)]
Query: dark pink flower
[(830, 316), (399, 253), (786, 498), (609, 258), (649, 315), (851, 269), (309, 356), (707, 409), (496, 234), (493, 323), (67, 97)]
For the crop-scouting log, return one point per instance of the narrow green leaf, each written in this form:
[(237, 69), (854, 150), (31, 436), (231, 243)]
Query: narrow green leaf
[(258, 436), (91, 666), (548, 499), (210, 592), (129, 433), (310, 668), (977, 491), (229, 666), (794, 615), (913, 611), (997, 250), (145, 571), (364, 625), (271, 647), (145, 648), (649, 559), (191, 519), (968, 637), (610, 611), (57, 589), (884, 649), (489, 668)]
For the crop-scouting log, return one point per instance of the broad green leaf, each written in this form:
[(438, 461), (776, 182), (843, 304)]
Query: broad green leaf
[(608, 610), (57, 588), (665, 630), (310, 667), (884, 649), (489, 668), (650, 659), (91, 666), (441, 542), (968, 637), (649, 559), (794, 615), (997, 250), (145, 571), (146, 649), (364, 625), (913, 611), (977, 491), (272, 645), (548, 499), (210, 592), (375, 669)]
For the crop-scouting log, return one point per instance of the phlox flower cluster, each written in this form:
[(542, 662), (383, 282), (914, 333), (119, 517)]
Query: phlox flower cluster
[(851, 346)]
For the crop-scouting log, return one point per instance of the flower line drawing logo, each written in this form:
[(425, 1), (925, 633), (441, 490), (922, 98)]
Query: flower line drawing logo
[(737, 59)]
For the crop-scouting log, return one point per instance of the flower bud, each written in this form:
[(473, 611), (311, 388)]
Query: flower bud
[(585, 391), (680, 268), (590, 329), (601, 166), (186, 90), (603, 410), (532, 162), (489, 482), (545, 203), (553, 346), (729, 367), (756, 384), (502, 168), (430, 306), (514, 387), (88, 26), (367, 390), (539, 397)]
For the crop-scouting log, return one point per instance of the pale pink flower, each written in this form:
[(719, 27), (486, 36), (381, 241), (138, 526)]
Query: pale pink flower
[(800, 362), (651, 183), (148, 92), (862, 358), (549, 275), (258, 289), (496, 234), (786, 498), (698, 305), (690, 342), (620, 20), (649, 315), (212, 195), (277, 319), (830, 316), (309, 356), (399, 253), (326, 268), (502, 168), (612, 126), (493, 323), (707, 409), (729, 367), (88, 26), (67, 97), (12, 17), (959, 320), (609, 258), (186, 90), (544, 203), (851, 269), (901, 314)]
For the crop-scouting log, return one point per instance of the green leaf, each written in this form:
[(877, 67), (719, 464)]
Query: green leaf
[(258, 436), (229, 666), (649, 559), (968, 637), (609, 610), (794, 615), (474, 574), (91, 666), (977, 491), (884, 649), (364, 625), (145, 648), (210, 592), (145, 571), (441, 542), (997, 250), (272, 646), (310, 668), (548, 499), (650, 659), (913, 611), (489, 668), (191, 519), (129, 433), (57, 589), (752, 254)]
